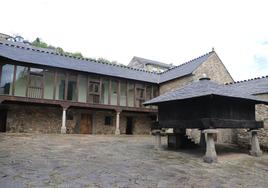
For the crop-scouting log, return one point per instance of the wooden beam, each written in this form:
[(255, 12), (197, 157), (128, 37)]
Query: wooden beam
[(118, 92), (135, 95), (211, 123), (14, 80), (126, 93), (0, 74), (55, 84), (43, 84), (77, 86), (28, 81), (66, 85), (100, 89), (17, 99), (110, 91)]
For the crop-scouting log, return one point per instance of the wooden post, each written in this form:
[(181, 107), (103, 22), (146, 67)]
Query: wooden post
[(0, 74), (127, 93), (135, 95), (77, 87), (110, 92), (14, 80), (55, 84), (100, 92), (118, 92), (66, 85)]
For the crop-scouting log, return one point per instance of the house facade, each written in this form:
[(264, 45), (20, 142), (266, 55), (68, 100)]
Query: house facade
[(45, 92)]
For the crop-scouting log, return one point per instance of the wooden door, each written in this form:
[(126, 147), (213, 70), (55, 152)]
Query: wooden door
[(3, 119), (86, 124)]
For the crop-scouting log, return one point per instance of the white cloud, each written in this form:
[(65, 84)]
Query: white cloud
[(169, 31)]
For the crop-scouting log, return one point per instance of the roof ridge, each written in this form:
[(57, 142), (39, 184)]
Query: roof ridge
[(73, 57), (248, 80), (187, 62)]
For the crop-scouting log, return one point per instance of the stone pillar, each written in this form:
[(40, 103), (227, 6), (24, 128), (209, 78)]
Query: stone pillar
[(202, 141), (117, 124), (63, 126), (157, 135), (255, 146), (211, 155)]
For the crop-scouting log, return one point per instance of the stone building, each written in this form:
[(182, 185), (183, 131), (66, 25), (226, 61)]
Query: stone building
[(42, 91), (148, 65)]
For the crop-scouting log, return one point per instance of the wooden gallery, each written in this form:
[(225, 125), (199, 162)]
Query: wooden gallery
[(42, 91)]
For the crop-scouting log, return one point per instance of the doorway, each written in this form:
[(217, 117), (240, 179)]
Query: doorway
[(129, 127), (86, 124), (3, 120)]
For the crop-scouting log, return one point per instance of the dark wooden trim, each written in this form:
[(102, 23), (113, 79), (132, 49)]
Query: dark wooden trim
[(208, 123), (110, 91), (135, 95), (0, 72), (28, 81), (118, 92), (152, 94), (77, 86), (66, 85), (100, 88), (7, 98), (55, 84), (14, 80), (43, 84), (88, 81), (127, 93)]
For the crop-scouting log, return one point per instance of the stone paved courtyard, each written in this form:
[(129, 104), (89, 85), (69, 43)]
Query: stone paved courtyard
[(39, 160)]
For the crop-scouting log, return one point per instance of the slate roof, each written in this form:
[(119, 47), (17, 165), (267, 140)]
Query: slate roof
[(183, 69), (252, 86), (203, 88), (46, 57), (52, 59), (151, 62)]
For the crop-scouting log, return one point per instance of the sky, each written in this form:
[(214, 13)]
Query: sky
[(170, 31)]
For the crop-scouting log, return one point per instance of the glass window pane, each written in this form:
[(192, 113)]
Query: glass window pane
[(105, 91), (130, 95), (21, 81), (82, 88), (35, 89), (72, 92), (123, 93), (6, 79), (114, 93), (49, 84), (148, 92), (60, 88)]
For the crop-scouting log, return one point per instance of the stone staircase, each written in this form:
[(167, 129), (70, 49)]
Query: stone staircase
[(193, 135)]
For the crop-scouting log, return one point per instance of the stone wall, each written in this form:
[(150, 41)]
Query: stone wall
[(33, 119), (174, 84), (43, 119), (141, 122), (214, 69), (243, 137)]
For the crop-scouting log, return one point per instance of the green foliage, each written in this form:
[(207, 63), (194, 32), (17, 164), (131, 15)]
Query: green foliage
[(41, 44)]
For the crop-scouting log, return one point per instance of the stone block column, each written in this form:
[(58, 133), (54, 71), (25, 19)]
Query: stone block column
[(117, 123), (211, 155), (63, 126), (255, 146), (157, 135)]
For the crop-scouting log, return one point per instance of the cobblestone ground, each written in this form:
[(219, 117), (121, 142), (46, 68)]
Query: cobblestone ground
[(38, 160)]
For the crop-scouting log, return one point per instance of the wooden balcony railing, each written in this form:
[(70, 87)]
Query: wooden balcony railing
[(35, 92)]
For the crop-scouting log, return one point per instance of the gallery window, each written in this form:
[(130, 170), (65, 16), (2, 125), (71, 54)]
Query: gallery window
[(94, 90), (6, 79), (35, 89)]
